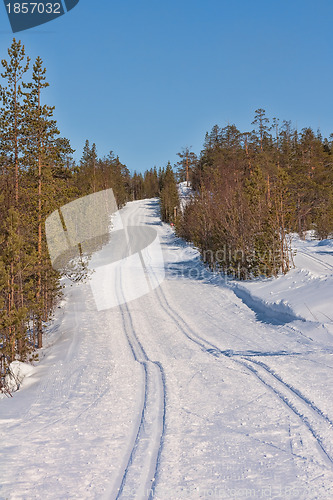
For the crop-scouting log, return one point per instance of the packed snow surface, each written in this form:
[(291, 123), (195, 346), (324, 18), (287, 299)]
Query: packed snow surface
[(201, 388)]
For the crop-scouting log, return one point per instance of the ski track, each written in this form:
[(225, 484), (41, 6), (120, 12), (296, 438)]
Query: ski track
[(286, 394), (292, 399), (325, 265), (53, 382), (138, 474), (185, 329)]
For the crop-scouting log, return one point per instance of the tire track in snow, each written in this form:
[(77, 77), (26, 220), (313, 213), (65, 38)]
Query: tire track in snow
[(302, 407), (138, 473)]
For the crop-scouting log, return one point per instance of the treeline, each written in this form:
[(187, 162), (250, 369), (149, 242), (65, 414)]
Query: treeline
[(37, 176), (252, 190), (158, 183), (95, 174)]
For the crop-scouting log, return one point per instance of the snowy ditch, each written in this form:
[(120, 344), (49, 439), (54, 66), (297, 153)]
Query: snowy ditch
[(275, 313)]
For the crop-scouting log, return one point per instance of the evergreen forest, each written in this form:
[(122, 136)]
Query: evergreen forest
[(37, 176), (252, 190), (249, 192)]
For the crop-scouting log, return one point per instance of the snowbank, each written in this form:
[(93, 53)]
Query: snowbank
[(18, 371), (185, 193), (304, 293)]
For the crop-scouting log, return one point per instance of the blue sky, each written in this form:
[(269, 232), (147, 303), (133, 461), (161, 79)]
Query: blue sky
[(145, 78)]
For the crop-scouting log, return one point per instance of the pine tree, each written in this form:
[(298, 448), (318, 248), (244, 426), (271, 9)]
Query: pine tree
[(150, 183), (12, 116), (244, 207), (12, 250), (185, 165), (40, 136), (169, 196), (89, 164), (13, 314), (261, 121)]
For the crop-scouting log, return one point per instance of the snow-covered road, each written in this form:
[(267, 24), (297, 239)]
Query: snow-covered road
[(197, 389)]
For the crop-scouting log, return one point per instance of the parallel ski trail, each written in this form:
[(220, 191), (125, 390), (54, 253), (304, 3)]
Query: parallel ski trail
[(325, 265), (137, 475), (293, 390), (313, 418), (316, 422)]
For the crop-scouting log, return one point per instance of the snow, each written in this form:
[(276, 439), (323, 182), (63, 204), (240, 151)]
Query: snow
[(185, 193), (17, 373), (198, 388)]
